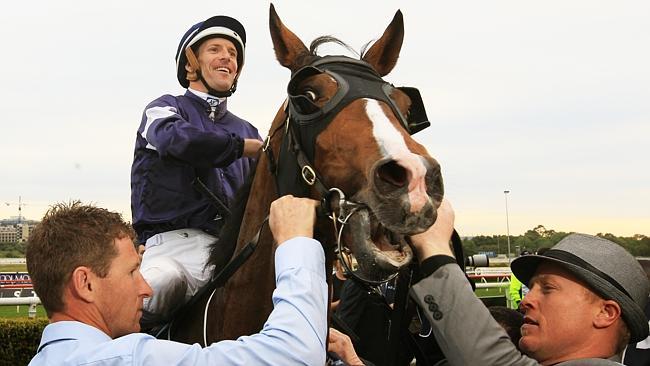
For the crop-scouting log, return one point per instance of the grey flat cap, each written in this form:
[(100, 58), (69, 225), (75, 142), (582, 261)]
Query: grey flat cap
[(606, 267)]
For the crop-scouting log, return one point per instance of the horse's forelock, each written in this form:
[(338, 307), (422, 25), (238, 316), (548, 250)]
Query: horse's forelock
[(313, 47)]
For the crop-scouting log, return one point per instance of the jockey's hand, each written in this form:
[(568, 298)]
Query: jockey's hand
[(435, 240), (291, 217), (251, 148), (341, 344)]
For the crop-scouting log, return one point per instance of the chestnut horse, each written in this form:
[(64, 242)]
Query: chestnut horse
[(343, 127)]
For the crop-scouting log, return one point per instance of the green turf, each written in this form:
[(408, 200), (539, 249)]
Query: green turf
[(9, 311), (13, 268), (492, 291)]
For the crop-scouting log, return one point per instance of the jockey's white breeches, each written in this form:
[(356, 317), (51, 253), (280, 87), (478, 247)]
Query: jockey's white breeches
[(174, 266)]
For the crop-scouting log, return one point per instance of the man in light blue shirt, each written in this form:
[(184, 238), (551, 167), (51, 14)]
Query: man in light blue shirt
[(85, 269)]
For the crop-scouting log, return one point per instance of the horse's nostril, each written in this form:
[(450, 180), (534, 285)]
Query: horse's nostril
[(393, 174)]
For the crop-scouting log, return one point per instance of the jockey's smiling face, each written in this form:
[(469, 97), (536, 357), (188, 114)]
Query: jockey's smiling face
[(122, 291), (218, 61)]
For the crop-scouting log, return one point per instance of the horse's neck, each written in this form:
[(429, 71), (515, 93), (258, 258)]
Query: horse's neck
[(245, 302), (262, 193), (263, 188)]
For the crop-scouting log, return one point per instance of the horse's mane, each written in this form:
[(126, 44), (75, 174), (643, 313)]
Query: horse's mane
[(223, 249)]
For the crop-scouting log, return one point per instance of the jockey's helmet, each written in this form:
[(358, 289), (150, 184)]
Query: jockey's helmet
[(217, 26)]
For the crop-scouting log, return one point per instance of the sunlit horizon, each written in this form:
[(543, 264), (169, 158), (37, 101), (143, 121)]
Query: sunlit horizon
[(468, 222)]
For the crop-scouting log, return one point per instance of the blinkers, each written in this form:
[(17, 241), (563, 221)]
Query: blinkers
[(356, 79)]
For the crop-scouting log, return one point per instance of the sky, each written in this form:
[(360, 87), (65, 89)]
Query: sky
[(548, 100)]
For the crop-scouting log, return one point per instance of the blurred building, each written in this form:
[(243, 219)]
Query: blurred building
[(16, 233)]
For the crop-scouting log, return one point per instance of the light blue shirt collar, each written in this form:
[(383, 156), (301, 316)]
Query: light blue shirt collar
[(62, 330)]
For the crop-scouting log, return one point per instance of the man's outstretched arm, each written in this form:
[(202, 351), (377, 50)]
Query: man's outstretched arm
[(463, 327), (295, 332)]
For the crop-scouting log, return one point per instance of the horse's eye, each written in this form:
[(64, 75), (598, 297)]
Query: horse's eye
[(311, 95)]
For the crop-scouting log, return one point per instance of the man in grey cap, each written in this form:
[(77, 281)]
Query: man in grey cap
[(585, 303)]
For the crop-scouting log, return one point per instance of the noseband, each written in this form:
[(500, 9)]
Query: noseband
[(294, 171)]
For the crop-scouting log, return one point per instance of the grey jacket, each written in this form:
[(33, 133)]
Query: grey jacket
[(464, 328)]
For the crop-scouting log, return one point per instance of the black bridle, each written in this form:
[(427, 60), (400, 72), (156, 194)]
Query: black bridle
[(294, 171)]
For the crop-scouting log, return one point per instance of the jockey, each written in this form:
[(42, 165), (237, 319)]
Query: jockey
[(183, 140)]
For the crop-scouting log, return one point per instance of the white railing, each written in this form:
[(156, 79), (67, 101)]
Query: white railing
[(12, 261), (490, 271), (31, 301), (20, 300), (491, 284)]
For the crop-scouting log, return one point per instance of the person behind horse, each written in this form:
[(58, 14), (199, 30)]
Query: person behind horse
[(84, 267), (366, 315), (585, 303), (516, 289), (510, 320), (183, 143), (639, 354)]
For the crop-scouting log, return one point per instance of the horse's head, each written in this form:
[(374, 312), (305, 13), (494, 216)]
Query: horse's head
[(355, 129)]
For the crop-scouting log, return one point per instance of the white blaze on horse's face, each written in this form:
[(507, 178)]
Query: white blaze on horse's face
[(392, 145)]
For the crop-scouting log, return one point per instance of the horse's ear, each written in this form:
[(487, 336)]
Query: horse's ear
[(384, 53), (289, 49)]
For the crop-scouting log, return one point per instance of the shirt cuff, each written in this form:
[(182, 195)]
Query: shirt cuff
[(300, 252), (431, 264)]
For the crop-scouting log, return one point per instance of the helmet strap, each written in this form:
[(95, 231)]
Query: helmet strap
[(194, 64)]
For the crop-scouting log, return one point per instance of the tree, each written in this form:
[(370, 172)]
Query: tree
[(540, 236)]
